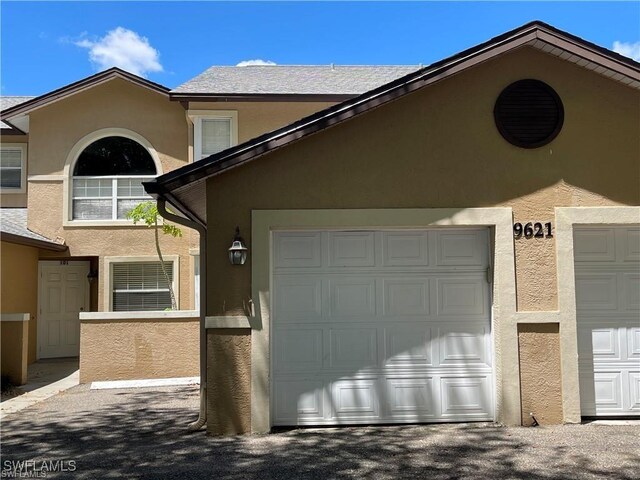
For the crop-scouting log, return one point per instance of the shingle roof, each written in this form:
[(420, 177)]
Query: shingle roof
[(13, 221), (293, 79), (8, 102)]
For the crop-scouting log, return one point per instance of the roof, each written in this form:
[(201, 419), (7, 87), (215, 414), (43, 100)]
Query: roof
[(15, 114), (291, 80), (13, 229), (185, 188), (8, 102)]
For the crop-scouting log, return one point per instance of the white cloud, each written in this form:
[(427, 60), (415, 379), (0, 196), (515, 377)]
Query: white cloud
[(631, 50), (257, 61), (124, 49)]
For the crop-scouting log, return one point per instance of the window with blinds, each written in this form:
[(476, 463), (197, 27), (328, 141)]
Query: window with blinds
[(11, 168), (216, 135), (140, 286)]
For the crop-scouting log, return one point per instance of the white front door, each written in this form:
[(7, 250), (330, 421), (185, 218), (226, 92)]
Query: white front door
[(607, 267), (63, 294), (381, 327)]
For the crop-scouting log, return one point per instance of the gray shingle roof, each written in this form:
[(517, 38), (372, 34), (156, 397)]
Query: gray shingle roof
[(294, 79), (14, 221), (8, 102)]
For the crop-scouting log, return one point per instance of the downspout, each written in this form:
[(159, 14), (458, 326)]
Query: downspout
[(202, 417)]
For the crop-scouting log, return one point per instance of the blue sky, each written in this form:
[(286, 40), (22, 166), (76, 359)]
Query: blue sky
[(47, 45)]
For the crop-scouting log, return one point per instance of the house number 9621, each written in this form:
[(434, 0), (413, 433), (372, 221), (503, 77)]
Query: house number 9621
[(532, 230)]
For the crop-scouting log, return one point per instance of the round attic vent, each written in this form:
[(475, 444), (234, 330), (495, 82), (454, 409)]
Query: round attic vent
[(529, 113)]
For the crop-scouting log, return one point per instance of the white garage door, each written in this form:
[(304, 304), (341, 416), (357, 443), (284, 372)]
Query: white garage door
[(381, 327), (607, 265)]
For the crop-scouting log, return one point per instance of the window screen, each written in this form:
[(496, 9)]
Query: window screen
[(11, 168), (140, 286), (216, 135)]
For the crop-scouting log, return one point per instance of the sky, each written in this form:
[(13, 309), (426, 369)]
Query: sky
[(46, 45)]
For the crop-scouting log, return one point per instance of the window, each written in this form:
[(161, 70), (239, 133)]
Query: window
[(107, 179), (140, 286), (12, 168), (214, 131)]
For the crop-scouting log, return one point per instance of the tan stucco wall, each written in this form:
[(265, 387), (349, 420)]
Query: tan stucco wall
[(228, 381), (14, 200), (540, 392), (138, 349), (439, 148), (19, 287), (14, 346)]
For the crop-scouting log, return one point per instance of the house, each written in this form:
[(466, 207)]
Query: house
[(459, 244), (78, 278)]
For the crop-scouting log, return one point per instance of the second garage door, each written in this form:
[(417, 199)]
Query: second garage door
[(381, 327)]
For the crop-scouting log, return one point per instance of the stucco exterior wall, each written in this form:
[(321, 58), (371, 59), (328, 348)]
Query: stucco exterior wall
[(14, 348), (19, 287), (14, 200), (228, 395), (541, 393), (439, 148), (130, 349)]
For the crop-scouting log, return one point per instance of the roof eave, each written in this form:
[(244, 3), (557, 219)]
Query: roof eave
[(260, 97), (32, 242)]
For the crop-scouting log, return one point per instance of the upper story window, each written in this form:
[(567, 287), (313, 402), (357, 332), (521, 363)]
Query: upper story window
[(107, 178), (13, 168), (213, 131)]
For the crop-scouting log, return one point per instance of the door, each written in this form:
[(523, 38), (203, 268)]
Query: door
[(381, 327), (607, 269), (63, 294)]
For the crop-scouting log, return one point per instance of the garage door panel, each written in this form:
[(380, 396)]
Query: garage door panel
[(353, 348), (297, 250), (406, 296), (407, 345), (355, 398), (405, 249), (456, 248), (461, 296), (352, 296), (299, 349), (465, 397), (351, 249), (298, 401), (463, 346), (411, 397), (608, 317), (596, 291), (297, 299)]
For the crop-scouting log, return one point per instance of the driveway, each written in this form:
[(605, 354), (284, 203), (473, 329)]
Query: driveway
[(140, 433)]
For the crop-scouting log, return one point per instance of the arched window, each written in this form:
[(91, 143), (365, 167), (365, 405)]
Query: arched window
[(107, 178)]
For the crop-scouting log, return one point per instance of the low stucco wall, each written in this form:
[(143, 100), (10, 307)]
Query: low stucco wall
[(228, 381), (14, 345), (114, 346), (540, 379)]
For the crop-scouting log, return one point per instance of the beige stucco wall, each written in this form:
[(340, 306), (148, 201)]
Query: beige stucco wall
[(540, 392), (14, 200), (439, 148), (14, 350), (129, 349), (228, 395), (19, 287)]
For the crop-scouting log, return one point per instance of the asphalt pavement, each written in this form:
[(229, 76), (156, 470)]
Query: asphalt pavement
[(141, 434)]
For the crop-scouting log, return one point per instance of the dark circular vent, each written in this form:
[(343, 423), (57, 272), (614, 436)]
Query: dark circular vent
[(529, 113)]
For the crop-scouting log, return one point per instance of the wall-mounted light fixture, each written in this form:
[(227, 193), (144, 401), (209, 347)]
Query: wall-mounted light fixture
[(92, 276), (238, 250)]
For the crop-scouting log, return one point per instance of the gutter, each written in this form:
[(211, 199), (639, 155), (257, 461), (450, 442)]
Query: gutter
[(202, 230)]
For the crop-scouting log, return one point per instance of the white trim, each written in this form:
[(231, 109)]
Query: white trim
[(227, 322), (45, 178), (107, 276), (15, 317), (23, 168), (146, 315), (152, 382), (504, 324), (566, 219), (196, 117), (72, 157)]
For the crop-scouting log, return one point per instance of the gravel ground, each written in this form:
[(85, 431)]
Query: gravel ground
[(140, 433)]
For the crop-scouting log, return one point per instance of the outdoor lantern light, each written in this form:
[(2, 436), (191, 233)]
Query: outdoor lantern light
[(92, 276), (238, 251)]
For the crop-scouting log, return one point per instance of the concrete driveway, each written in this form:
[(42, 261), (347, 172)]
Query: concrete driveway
[(140, 433)]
